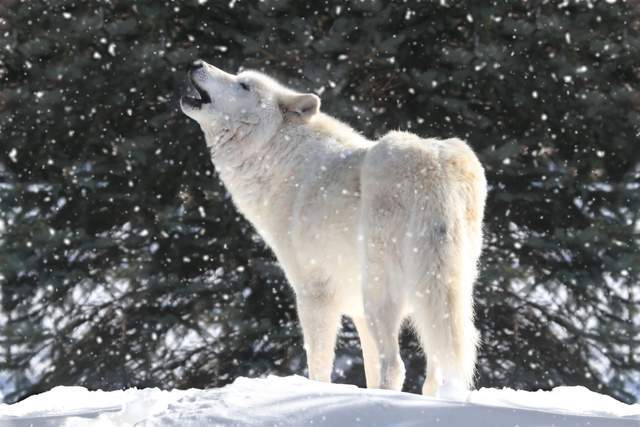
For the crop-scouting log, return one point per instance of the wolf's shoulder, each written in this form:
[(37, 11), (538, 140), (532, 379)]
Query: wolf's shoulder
[(332, 128)]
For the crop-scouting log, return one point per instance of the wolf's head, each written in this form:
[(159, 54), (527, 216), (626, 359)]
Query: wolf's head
[(249, 105)]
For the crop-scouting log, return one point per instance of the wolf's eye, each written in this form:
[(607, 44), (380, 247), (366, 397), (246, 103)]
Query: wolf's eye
[(244, 86)]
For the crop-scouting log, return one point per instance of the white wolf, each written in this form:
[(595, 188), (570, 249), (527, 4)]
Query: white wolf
[(375, 230)]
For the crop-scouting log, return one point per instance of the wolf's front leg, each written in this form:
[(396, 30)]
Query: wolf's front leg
[(369, 352), (319, 317)]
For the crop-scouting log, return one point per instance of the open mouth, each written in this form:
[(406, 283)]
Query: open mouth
[(194, 95)]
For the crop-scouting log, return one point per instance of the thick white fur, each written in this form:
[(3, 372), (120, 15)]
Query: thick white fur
[(375, 230)]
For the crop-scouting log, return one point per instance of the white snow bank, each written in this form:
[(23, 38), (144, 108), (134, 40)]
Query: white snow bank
[(296, 401)]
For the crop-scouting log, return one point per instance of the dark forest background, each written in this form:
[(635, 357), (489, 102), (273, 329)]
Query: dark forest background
[(123, 262)]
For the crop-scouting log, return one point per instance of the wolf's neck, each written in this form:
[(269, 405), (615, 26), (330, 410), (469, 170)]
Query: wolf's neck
[(254, 171), (267, 175)]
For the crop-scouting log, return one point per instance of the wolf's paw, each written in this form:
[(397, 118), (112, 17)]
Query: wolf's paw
[(453, 390)]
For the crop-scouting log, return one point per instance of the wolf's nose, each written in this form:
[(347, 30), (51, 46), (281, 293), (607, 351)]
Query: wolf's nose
[(195, 65)]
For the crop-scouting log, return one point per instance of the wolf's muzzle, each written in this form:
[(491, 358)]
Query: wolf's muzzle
[(194, 95)]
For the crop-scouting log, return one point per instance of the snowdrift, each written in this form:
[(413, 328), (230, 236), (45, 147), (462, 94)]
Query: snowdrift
[(297, 401)]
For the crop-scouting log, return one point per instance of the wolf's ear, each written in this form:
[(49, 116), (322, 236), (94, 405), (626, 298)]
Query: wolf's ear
[(304, 105)]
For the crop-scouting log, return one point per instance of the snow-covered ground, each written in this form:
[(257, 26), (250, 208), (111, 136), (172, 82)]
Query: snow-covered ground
[(297, 401)]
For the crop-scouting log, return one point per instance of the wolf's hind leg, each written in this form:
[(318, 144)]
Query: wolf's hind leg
[(444, 323), (385, 320), (384, 315), (433, 378)]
